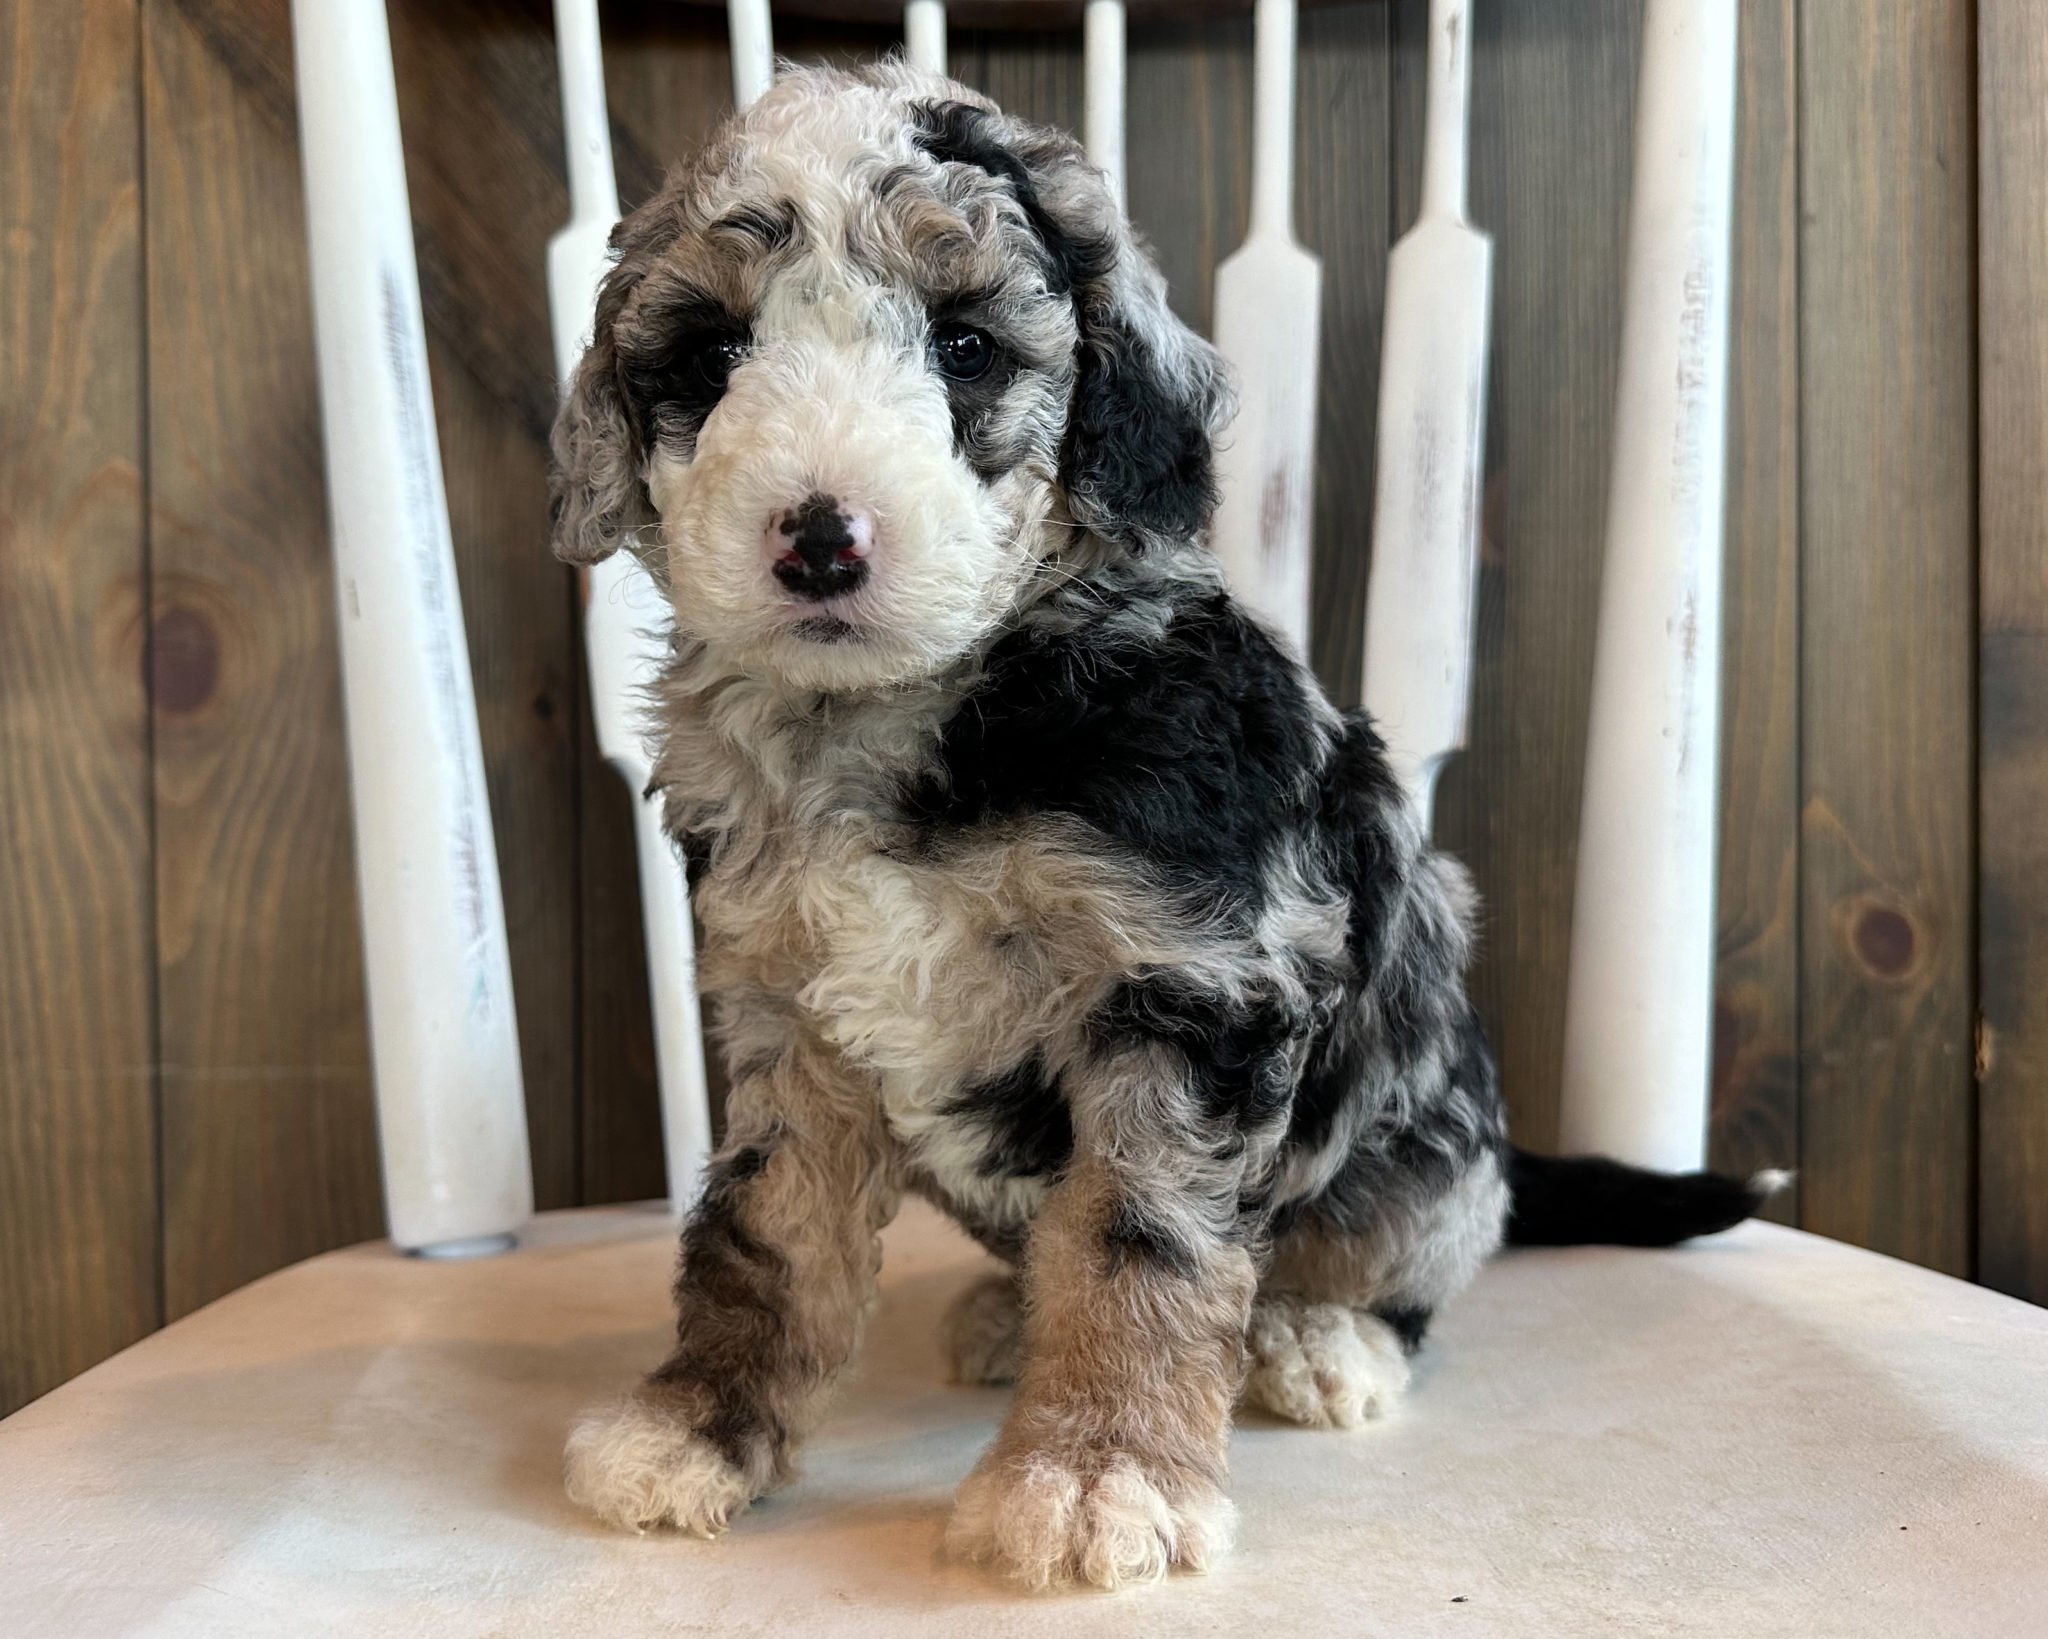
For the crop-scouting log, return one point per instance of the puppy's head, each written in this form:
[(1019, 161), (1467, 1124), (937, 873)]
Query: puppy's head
[(858, 369)]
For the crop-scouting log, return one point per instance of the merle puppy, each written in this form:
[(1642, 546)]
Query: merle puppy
[(1035, 875)]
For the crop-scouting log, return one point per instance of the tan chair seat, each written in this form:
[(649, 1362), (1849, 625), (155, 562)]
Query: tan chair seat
[(1764, 1434)]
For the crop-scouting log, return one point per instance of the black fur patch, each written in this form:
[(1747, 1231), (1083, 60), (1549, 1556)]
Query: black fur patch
[(1409, 1324), (1137, 442), (1189, 753), (1131, 1236), (728, 1274), (1237, 1056), (1030, 1129)]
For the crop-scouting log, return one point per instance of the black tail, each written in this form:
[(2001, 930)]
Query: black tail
[(1592, 1201)]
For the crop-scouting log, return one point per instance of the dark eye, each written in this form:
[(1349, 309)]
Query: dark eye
[(705, 362), (961, 352)]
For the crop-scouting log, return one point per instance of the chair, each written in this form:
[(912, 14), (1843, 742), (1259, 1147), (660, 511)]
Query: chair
[(1768, 1432)]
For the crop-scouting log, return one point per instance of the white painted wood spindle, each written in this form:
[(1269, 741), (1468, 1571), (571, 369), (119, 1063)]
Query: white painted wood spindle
[(1269, 297), (625, 620), (451, 1114), (751, 38), (924, 34), (1640, 1002), (1432, 443), (1102, 113)]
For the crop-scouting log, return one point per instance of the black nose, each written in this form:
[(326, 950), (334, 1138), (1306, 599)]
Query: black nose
[(820, 548)]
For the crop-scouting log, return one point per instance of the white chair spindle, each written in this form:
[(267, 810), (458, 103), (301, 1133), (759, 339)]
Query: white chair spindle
[(451, 1114), (924, 34), (1102, 113), (751, 38), (1269, 297), (1639, 1007), (1432, 443), (624, 619)]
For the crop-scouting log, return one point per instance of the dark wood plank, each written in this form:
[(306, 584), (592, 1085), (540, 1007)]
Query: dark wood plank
[(1756, 1013), (1887, 626), (2012, 836), (1553, 98), (78, 1205), (1348, 212), (269, 1136)]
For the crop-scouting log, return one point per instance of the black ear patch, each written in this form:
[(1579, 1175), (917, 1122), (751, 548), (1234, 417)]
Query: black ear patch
[(1137, 441)]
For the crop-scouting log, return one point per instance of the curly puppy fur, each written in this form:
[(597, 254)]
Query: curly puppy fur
[(1035, 875)]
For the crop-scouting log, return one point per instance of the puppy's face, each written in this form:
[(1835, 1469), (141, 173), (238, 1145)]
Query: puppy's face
[(867, 364)]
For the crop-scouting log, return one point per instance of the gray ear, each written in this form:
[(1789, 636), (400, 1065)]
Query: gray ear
[(1149, 395), (600, 501)]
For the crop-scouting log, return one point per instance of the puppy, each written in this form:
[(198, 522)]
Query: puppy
[(1035, 876)]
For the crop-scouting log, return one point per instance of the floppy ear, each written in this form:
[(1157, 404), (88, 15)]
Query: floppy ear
[(1149, 395), (595, 481)]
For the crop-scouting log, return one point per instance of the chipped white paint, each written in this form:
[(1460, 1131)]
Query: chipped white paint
[(751, 39), (1269, 296), (1432, 443), (451, 1112), (625, 620), (1639, 1010), (924, 34), (1102, 112)]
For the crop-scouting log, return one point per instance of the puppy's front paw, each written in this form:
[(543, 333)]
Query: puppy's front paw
[(636, 1465), (1100, 1516), (1322, 1364)]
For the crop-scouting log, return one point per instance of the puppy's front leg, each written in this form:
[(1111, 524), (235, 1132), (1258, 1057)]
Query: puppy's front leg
[(778, 1266), (1110, 1466)]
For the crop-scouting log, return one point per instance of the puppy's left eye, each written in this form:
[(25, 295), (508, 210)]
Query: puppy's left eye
[(961, 352)]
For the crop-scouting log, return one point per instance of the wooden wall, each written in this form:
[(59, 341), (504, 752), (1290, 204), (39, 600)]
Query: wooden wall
[(184, 1087)]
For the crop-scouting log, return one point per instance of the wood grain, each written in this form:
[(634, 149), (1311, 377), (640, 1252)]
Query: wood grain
[(2012, 216), (1553, 98), (1887, 627), (1755, 1114), (269, 1134), (1346, 210), (78, 1207)]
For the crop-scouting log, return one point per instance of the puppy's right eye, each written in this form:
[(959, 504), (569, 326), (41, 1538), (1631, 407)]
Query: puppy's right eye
[(704, 363), (962, 352)]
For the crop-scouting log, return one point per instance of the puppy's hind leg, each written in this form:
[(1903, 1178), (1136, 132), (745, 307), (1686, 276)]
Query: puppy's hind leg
[(1344, 1305)]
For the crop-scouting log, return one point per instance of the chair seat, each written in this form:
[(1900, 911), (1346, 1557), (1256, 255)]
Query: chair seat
[(1766, 1433)]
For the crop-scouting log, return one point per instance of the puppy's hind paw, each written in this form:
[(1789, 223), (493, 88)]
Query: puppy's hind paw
[(1323, 1365), (984, 1332), (636, 1465), (1050, 1519)]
